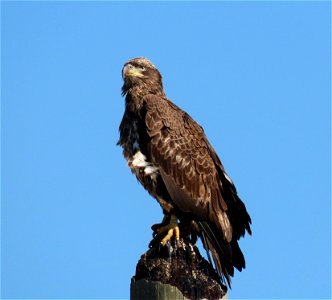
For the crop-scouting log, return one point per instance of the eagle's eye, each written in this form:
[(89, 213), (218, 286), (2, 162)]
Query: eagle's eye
[(142, 68)]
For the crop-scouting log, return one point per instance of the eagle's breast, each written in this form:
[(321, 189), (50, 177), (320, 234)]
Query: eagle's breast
[(136, 160)]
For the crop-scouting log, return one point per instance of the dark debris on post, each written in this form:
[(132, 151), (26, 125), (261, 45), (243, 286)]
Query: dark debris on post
[(176, 271)]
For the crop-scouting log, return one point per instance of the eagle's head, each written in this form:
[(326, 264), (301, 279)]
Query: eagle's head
[(141, 74)]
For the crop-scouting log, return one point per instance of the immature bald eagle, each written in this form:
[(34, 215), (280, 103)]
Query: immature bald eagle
[(172, 158)]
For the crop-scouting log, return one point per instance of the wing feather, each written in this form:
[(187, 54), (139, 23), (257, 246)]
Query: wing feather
[(180, 149), (196, 180)]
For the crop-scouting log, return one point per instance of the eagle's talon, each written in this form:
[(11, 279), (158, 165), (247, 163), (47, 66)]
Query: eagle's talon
[(167, 237), (177, 233), (168, 226)]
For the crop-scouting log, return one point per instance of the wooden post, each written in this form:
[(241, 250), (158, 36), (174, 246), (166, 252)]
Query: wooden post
[(144, 289), (177, 272)]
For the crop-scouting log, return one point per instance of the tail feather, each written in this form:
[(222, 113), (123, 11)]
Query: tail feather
[(238, 258), (221, 252)]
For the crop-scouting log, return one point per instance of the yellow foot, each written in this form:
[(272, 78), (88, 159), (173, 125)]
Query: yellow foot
[(169, 226), (172, 232)]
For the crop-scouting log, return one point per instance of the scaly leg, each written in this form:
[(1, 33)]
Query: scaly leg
[(168, 226)]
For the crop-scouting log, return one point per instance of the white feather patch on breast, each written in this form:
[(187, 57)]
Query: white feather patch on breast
[(138, 163), (139, 160), (150, 170)]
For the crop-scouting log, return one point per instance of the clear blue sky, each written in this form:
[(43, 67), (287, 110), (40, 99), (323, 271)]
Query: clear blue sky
[(255, 75)]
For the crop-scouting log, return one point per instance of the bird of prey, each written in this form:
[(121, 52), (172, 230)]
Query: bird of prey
[(174, 161)]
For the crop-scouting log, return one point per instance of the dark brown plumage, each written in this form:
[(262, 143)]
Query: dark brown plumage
[(172, 158)]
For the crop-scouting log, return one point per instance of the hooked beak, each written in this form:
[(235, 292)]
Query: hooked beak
[(130, 70)]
